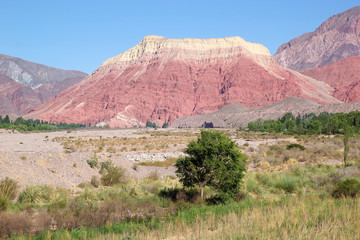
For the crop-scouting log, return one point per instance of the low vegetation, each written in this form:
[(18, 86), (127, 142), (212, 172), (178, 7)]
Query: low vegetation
[(29, 125), (324, 123), (289, 178)]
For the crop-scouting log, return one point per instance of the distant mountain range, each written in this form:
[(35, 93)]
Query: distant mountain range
[(161, 80), (25, 85)]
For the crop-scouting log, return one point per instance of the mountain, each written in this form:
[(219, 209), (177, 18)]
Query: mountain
[(343, 76), (16, 98), (30, 84), (163, 79), (224, 118), (335, 39)]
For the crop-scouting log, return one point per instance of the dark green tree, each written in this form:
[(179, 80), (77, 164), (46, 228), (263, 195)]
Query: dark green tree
[(213, 160), (287, 116), (6, 119)]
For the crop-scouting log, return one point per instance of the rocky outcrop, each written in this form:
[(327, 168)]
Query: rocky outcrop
[(335, 39), (343, 76), (30, 84), (163, 79), (224, 118)]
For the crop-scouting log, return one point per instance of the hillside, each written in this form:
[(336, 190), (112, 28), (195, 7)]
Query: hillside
[(335, 39), (163, 79), (343, 76), (295, 105)]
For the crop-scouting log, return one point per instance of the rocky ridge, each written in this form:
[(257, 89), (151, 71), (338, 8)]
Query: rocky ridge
[(25, 85), (335, 39), (163, 79)]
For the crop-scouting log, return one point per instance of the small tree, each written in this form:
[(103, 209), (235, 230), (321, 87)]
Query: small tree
[(346, 142), (213, 160)]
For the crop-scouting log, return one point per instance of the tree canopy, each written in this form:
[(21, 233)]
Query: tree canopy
[(213, 160), (324, 123)]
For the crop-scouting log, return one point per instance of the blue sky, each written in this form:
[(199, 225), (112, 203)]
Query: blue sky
[(81, 34)]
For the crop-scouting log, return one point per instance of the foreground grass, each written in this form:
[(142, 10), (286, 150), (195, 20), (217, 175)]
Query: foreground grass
[(292, 204), (290, 218)]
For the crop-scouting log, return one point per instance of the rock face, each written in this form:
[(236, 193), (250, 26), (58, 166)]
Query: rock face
[(229, 118), (343, 76), (30, 84), (162, 79), (16, 98), (335, 39)]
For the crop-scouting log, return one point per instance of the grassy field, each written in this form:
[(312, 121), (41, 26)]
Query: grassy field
[(287, 194)]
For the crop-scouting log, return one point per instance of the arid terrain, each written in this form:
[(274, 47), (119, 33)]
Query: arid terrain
[(61, 158)]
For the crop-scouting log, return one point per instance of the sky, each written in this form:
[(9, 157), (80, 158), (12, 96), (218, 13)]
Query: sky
[(81, 34)]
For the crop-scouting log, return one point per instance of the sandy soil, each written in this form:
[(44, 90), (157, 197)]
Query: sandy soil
[(34, 158)]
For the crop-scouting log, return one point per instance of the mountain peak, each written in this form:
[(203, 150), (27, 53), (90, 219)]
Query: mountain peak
[(205, 48), (335, 39)]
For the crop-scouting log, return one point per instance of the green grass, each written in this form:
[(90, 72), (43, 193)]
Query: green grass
[(296, 203)]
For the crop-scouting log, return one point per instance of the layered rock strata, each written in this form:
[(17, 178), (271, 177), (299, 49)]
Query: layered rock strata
[(162, 79)]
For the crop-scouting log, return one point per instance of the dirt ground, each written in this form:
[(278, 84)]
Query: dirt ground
[(61, 158), (37, 158)]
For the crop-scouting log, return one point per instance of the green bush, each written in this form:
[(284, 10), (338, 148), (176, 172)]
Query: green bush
[(94, 162), (169, 193), (35, 194), (218, 199), (347, 188), (295, 145), (177, 194), (9, 188), (288, 184), (105, 166), (114, 175)]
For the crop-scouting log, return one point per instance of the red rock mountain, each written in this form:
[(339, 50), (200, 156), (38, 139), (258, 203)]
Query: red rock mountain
[(335, 39), (30, 84), (162, 79), (16, 98), (343, 76)]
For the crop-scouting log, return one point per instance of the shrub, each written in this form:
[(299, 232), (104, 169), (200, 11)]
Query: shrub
[(347, 188), (35, 194), (114, 175), (105, 166), (289, 185), (213, 160), (218, 199), (95, 181), (9, 188), (177, 194), (295, 145), (93, 162)]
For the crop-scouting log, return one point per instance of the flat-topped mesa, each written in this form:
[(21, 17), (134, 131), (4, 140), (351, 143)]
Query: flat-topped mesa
[(162, 79), (189, 48)]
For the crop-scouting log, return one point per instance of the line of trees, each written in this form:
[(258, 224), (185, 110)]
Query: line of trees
[(324, 123), (25, 125)]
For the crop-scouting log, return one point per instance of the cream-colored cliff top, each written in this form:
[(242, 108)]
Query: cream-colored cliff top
[(152, 44)]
